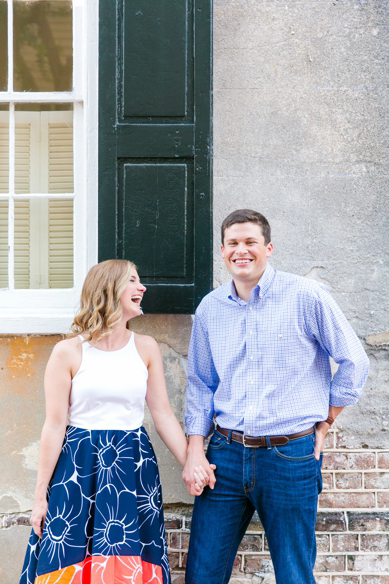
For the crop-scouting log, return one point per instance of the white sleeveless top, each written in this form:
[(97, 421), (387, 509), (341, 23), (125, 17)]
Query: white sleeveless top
[(109, 389)]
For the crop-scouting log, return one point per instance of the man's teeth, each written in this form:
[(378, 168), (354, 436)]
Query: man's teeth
[(242, 261)]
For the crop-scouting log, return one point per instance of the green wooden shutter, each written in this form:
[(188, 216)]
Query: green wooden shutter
[(155, 146)]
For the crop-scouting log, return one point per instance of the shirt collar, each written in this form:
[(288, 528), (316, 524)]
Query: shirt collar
[(265, 280), (260, 289)]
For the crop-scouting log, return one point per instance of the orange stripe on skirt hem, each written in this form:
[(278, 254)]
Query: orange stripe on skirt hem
[(106, 570)]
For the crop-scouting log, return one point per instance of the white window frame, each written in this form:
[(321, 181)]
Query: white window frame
[(52, 310)]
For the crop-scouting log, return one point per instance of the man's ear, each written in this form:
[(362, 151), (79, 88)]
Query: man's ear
[(269, 249), (222, 251)]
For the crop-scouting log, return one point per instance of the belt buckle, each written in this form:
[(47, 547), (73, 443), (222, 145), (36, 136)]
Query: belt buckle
[(248, 445)]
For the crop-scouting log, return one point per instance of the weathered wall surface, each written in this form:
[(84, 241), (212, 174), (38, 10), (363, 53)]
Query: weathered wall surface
[(301, 134)]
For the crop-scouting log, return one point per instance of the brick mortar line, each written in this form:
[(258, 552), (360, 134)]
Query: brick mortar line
[(374, 470), (344, 554), (355, 451), (348, 573), (367, 450), (353, 509), (266, 554), (262, 533)]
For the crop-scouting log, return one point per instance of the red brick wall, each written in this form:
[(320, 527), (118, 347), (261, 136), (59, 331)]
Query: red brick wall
[(352, 527)]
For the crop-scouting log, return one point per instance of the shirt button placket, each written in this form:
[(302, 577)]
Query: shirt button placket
[(250, 369)]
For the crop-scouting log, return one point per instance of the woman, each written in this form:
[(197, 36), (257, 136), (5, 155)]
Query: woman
[(97, 515)]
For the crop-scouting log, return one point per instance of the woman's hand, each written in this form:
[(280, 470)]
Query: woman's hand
[(38, 517), (201, 478), (195, 461)]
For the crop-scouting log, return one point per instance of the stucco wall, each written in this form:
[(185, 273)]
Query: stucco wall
[(301, 134)]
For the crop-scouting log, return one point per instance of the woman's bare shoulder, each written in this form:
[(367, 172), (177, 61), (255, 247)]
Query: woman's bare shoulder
[(146, 342), (147, 348), (67, 348)]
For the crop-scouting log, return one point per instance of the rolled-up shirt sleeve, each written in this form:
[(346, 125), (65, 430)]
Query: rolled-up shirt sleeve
[(328, 325), (202, 382)]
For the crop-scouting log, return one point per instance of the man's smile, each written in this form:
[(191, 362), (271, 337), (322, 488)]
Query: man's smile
[(242, 261)]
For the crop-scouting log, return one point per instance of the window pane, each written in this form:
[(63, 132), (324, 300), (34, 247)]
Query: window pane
[(3, 46), (43, 55), (44, 243), (43, 148), (4, 148), (3, 243)]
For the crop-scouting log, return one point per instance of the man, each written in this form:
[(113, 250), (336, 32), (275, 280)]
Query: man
[(259, 369)]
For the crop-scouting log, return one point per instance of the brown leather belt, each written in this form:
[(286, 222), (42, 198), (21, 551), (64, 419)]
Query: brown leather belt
[(260, 441)]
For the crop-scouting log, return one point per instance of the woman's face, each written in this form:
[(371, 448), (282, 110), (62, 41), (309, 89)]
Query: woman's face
[(132, 295)]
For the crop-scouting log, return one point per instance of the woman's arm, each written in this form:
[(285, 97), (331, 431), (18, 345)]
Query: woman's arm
[(57, 382), (157, 400)]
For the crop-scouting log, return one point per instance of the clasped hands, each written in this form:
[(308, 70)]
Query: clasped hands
[(198, 473)]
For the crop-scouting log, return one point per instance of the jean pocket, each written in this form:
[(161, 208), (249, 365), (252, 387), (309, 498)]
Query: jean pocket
[(297, 450), (217, 441)]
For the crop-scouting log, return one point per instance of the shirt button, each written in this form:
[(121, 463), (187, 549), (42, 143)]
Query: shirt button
[(250, 308), (252, 382), (248, 432), (251, 358), (251, 332), (251, 407)]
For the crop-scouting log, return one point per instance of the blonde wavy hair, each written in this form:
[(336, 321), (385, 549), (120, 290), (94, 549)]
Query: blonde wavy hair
[(100, 308)]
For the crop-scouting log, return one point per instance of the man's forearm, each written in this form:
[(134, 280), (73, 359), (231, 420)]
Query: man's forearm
[(196, 443), (334, 412), (322, 429)]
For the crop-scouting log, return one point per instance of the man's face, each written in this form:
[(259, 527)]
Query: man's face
[(244, 252)]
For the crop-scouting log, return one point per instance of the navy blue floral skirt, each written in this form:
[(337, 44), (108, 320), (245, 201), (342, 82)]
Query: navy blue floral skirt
[(104, 523)]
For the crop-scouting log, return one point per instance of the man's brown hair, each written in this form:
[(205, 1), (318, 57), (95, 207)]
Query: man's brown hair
[(247, 216)]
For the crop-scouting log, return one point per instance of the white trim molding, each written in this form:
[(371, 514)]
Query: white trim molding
[(50, 311)]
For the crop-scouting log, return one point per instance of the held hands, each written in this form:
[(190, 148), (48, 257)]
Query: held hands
[(38, 517), (198, 473)]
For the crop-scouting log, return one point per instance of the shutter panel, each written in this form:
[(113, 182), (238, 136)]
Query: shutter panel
[(61, 210), (4, 141), (4, 155), (60, 243), (22, 244), (3, 243), (155, 146), (22, 208), (22, 158), (61, 156)]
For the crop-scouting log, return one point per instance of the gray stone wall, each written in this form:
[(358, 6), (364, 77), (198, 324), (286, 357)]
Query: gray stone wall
[(301, 134)]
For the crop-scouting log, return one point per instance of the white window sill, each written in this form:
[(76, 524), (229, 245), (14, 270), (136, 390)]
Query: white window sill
[(37, 311)]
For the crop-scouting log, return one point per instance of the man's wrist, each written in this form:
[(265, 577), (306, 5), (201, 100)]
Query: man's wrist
[(196, 442)]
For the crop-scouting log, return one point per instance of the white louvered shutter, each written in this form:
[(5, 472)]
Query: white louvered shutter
[(22, 208), (4, 156), (22, 244), (3, 243), (60, 176), (4, 141), (44, 227)]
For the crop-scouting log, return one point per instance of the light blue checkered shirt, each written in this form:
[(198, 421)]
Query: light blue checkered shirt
[(262, 366)]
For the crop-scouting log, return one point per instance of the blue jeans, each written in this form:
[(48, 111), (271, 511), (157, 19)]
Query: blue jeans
[(282, 483)]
